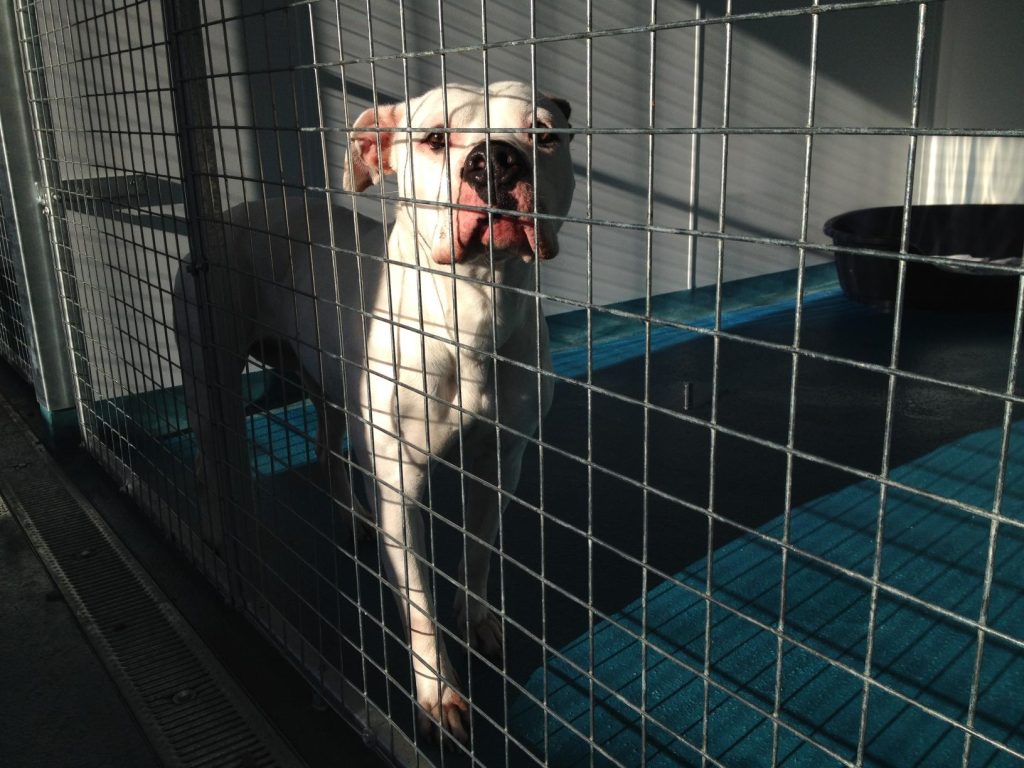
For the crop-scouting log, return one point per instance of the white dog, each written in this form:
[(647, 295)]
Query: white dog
[(429, 341)]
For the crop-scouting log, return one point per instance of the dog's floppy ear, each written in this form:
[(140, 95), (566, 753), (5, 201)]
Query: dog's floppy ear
[(562, 104), (564, 107), (370, 147)]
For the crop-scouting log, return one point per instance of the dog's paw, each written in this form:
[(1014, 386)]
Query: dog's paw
[(485, 628), (199, 469), (362, 530), (486, 636), (442, 715)]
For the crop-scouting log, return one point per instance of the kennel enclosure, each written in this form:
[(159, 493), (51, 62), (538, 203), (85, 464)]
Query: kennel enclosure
[(763, 523)]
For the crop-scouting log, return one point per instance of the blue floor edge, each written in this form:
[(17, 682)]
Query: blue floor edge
[(933, 551), (284, 436), (676, 317), (575, 361)]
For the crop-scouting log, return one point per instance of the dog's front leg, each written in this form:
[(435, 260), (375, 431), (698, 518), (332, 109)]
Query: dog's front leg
[(492, 468), (495, 462), (400, 479)]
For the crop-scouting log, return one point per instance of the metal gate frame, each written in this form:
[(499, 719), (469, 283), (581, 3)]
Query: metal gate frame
[(34, 307)]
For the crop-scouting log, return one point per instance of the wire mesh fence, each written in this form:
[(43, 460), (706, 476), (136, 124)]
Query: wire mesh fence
[(730, 516), (13, 340)]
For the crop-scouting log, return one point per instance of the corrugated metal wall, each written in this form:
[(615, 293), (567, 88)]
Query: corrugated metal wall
[(864, 79)]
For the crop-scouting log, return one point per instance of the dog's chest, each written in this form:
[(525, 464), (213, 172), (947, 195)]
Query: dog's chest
[(438, 395), (441, 378), (436, 336)]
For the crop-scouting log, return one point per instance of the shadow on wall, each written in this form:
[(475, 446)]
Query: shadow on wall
[(289, 118)]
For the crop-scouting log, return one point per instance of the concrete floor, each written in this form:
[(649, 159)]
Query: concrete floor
[(59, 707)]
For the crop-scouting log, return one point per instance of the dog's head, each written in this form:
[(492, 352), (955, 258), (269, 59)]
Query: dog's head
[(455, 167)]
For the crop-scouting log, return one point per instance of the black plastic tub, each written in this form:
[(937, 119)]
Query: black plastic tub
[(988, 232)]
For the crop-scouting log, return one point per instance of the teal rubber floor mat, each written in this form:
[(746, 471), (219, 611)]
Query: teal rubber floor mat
[(583, 707), (279, 440)]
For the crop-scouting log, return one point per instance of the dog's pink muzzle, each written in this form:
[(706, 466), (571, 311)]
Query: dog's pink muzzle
[(476, 232)]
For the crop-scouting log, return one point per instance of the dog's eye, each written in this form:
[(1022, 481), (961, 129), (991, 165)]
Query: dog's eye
[(435, 141), (546, 139)]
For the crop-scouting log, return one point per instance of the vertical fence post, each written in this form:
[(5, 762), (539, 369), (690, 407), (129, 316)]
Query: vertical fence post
[(33, 176), (228, 489)]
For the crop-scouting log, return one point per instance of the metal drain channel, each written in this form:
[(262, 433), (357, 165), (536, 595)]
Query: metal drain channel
[(189, 707)]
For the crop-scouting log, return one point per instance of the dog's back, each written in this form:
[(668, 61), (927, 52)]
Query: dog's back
[(290, 264)]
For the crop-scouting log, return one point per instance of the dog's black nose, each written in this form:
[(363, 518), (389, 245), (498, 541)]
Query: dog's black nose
[(507, 166)]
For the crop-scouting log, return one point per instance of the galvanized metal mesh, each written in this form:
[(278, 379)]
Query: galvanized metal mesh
[(694, 436), (13, 339)]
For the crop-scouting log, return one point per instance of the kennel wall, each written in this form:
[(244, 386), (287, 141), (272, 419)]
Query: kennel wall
[(763, 524)]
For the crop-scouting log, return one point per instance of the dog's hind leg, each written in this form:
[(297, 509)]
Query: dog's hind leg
[(332, 468)]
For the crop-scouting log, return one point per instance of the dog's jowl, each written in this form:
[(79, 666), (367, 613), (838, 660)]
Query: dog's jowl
[(406, 342)]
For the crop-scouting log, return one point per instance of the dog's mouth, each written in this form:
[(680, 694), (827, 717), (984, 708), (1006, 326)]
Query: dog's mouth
[(479, 233)]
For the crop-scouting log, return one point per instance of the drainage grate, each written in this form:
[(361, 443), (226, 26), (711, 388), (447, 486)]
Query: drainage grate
[(189, 707)]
